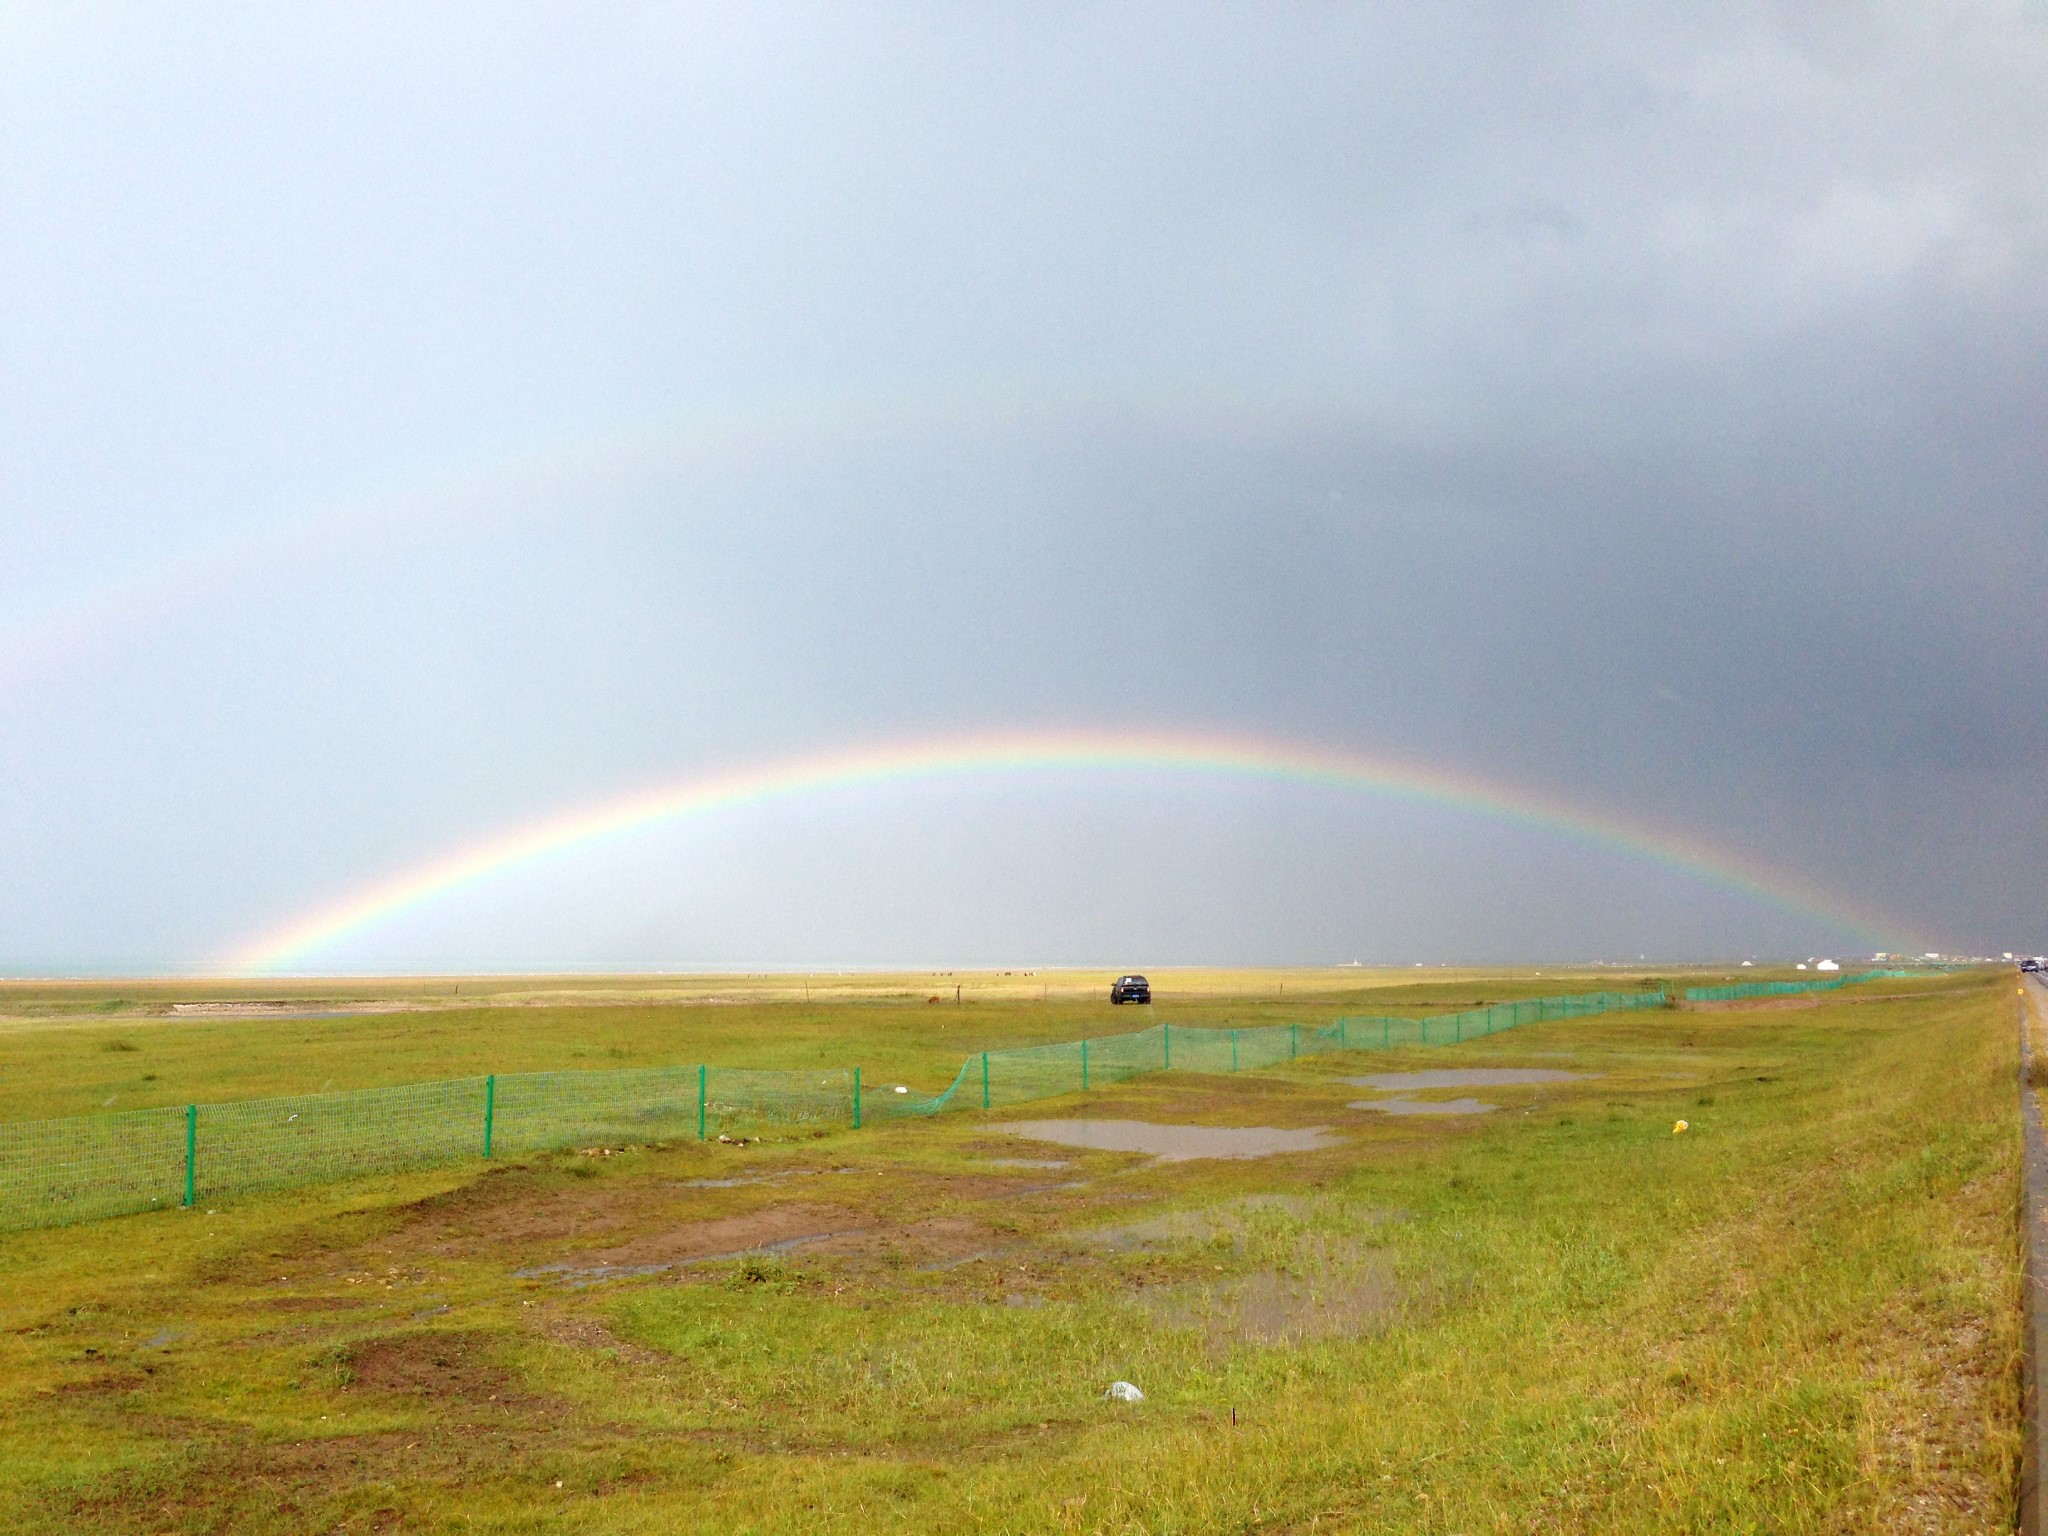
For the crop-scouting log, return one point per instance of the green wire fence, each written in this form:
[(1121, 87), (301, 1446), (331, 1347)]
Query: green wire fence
[(1024, 1073), (1742, 991), (53, 1172)]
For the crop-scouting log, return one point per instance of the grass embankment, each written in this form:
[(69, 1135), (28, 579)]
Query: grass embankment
[(1801, 1315)]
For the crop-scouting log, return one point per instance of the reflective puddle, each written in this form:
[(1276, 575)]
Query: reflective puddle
[(1465, 1077), (1173, 1143), (1211, 1224)]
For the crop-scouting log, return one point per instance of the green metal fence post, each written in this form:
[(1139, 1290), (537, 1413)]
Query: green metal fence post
[(1457, 1027), (1343, 1033), (191, 1153), (1166, 1046), (1084, 1066), (490, 1105), (702, 1073), (1293, 1041), (984, 1079), (856, 1098)]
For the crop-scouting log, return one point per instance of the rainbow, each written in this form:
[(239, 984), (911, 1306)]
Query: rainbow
[(291, 948)]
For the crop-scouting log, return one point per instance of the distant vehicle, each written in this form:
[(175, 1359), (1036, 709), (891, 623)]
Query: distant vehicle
[(2031, 965), (1130, 989)]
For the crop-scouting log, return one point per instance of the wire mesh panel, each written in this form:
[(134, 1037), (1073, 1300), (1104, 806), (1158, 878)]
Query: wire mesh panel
[(743, 1098), (1189, 1049), (1114, 1058), (1748, 989), (53, 1172), (1024, 1073), (271, 1143), (892, 1103), (538, 1111)]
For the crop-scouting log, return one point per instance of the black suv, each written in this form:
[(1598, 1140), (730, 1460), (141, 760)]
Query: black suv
[(1130, 989)]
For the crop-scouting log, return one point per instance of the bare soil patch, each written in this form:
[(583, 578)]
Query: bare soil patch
[(436, 1367), (935, 1242), (517, 1211), (590, 1335), (773, 1227)]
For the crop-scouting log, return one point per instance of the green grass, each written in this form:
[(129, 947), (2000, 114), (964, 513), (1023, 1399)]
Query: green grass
[(61, 1054), (1799, 1315)]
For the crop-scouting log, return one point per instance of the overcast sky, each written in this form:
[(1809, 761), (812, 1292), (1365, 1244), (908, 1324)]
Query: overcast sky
[(416, 421)]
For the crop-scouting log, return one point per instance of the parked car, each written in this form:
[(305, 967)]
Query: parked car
[(1131, 989)]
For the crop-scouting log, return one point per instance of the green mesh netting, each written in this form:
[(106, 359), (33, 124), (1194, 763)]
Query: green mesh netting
[(54, 1172), (84, 1166), (315, 1137), (1022, 1074), (1747, 989)]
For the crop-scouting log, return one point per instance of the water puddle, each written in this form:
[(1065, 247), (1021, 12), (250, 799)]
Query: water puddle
[(1026, 1162), (1426, 1106), (1212, 1224), (1173, 1143), (1464, 1077), (739, 1180)]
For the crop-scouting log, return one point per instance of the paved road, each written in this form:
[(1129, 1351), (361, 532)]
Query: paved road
[(2034, 1045)]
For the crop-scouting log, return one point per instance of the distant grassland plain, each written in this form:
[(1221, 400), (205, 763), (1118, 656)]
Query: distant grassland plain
[(1801, 1314)]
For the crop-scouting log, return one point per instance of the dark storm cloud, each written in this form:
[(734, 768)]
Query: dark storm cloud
[(1645, 407)]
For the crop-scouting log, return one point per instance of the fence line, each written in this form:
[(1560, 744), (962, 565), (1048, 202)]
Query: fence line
[(54, 1172), (1748, 989), (1024, 1073)]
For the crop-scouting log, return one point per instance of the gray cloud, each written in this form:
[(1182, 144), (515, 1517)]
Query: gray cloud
[(1644, 408)]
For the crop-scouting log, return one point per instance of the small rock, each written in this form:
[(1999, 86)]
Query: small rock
[(1124, 1392)]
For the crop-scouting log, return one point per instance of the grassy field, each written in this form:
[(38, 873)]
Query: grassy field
[(76, 1047), (1799, 1315)]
